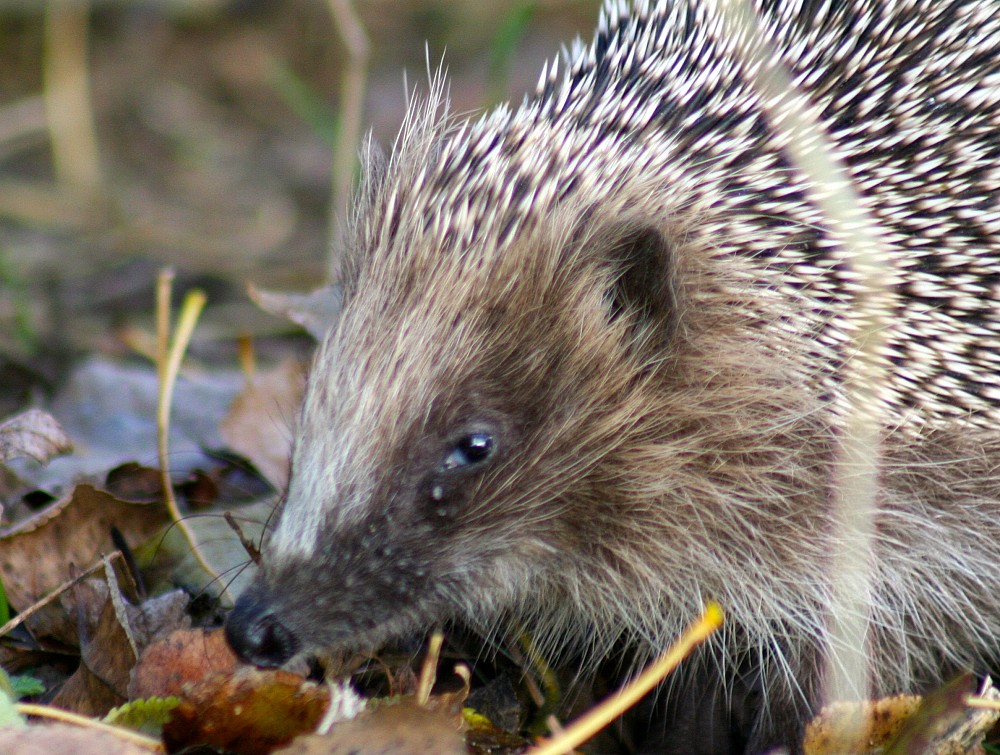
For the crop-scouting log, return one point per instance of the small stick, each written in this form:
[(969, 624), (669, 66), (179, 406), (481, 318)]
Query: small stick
[(601, 715), (248, 545), (41, 603), (428, 671), (169, 353), (984, 703), (58, 714)]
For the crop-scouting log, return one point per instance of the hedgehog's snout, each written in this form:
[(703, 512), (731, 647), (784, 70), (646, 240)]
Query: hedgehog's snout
[(256, 635)]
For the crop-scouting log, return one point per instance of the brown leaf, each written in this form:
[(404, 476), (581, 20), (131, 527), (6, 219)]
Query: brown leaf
[(401, 727), (87, 693), (249, 713), (835, 729), (157, 617), (42, 552), (134, 483), (107, 654), (199, 489), (940, 723), (945, 724), (316, 311), (258, 425), (35, 434), (182, 658)]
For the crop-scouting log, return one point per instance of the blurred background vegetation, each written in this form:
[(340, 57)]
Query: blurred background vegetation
[(203, 134)]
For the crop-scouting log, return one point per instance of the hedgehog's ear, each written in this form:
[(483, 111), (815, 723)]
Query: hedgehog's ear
[(642, 287)]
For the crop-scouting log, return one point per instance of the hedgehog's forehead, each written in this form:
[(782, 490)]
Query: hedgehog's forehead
[(439, 246), (461, 189)]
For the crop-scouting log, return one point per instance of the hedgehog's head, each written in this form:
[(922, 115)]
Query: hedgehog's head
[(459, 434)]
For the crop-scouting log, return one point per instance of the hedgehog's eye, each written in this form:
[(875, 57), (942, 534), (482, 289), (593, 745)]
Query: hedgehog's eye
[(474, 448)]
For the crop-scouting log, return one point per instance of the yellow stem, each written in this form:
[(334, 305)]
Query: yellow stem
[(168, 366), (601, 715), (58, 714)]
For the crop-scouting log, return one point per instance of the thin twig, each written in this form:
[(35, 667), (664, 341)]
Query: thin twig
[(428, 670), (983, 703), (170, 352), (41, 603), (164, 285), (583, 728), (58, 714), (248, 545)]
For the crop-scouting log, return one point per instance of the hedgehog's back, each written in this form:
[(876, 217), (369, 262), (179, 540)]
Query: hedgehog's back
[(910, 96)]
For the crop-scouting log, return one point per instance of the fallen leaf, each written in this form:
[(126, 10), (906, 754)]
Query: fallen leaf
[(945, 724), (109, 409), (114, 633), (183, 657), (248, 713), (316, 311), (157, 617), (146, 716), (107, 654), (401, 727), (835, 729), (34, 434), (258, 424), (199, 490), (41, 552), (940, 723), (134, 483)]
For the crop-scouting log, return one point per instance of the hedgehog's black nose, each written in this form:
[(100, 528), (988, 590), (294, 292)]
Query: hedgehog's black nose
[(255, 634)]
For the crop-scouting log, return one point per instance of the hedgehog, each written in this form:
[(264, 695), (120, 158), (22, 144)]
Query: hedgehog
[(588, 369)]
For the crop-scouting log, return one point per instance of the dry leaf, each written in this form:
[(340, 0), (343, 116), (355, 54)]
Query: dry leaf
[(107, 654), (134, 483), (939, 723), (114, 633), (401, 727), (248, 713), (316, 311), (881, 720), (34, 434), (42, 552), (258, 425), (183, 657), (944, 724), (109, 408)]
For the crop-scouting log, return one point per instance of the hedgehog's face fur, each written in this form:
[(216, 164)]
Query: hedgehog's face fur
[(450, 412), (496, 418)]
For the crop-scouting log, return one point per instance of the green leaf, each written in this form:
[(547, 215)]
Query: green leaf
[(26, 686), (146, 716)]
